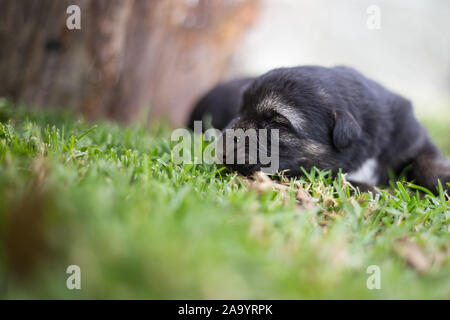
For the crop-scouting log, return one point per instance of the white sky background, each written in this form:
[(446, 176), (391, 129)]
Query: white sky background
[(409, 54)]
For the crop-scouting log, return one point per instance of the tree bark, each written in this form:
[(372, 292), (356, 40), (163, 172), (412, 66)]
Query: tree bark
[(129, 54)]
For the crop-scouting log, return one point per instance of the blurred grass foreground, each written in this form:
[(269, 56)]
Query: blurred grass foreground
[(109, 200)]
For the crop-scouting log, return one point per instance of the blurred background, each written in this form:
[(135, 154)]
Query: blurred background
[(156, 58), (409, 53)]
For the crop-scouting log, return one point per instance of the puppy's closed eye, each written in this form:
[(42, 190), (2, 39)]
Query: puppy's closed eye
[(281, 121), (275, 120)]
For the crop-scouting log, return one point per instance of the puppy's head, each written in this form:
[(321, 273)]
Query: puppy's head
[(311, 130)]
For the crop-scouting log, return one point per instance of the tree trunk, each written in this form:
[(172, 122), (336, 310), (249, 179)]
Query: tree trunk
[(129, 54)]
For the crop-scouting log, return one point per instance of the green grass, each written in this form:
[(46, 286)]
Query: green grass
[(108, 199)]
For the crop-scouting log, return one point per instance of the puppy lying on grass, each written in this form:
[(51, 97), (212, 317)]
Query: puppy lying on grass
[(330, 118)]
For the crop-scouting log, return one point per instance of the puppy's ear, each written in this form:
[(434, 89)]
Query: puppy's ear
[(346, 129)]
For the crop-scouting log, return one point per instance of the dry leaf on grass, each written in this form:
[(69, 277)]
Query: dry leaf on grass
[(329, 202), (305, 199), (261, 182), (413, 255)]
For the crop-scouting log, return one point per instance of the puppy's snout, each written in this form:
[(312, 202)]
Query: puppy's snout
[(237, 152)]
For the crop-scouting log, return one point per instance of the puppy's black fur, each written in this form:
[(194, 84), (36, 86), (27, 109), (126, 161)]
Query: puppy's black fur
[(220, 105), (335, 118)]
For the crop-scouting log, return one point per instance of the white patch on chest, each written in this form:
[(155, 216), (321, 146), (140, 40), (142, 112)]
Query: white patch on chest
[(367, 173)]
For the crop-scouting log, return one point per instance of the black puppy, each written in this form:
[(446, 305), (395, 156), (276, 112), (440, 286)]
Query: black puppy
[(335, 118), (220, 105)]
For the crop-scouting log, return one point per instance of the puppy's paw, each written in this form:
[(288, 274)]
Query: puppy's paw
[(429, 167), (432, 182)]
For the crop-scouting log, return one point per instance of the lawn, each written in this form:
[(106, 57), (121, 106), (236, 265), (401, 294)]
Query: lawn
[(108, 199)]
